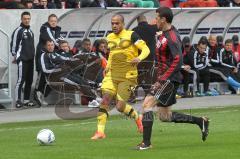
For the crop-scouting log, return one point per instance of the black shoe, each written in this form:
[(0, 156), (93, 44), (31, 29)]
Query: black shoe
[(37, 98), (19, 104), (142, 146), (204, 128), (29, 104)]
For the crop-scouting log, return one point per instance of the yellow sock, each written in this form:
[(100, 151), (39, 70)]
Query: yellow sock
[(102, 119), (127, 110)]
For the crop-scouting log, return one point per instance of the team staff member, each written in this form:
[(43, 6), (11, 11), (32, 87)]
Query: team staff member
[(121, 73), (169, 53), (147, 33), (200, 62), (23, 51)]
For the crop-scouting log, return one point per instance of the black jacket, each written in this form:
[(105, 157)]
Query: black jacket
[(147, 33), (22, 43), (226, 59), (46, 33), (51, 62), (198, 61)]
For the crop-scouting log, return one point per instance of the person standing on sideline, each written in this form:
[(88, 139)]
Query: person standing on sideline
[(23, 51)]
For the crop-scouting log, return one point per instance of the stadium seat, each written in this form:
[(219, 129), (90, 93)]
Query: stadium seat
[(199, 3), (166, 3), (156, 3), (141, 4), (148, 3)]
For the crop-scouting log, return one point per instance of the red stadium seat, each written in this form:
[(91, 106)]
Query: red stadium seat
[(166, 3)]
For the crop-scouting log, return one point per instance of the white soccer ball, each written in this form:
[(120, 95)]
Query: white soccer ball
[(45, 137)]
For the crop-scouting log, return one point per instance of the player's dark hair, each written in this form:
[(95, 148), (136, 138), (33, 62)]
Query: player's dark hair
[(25, 13), (166, 13), (228, 41), (52, 15)]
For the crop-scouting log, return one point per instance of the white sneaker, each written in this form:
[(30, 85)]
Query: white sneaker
[(93, 104), (99, 99), (44, 102)]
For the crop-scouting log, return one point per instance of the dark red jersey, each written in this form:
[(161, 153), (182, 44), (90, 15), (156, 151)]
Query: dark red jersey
[(169, 55)]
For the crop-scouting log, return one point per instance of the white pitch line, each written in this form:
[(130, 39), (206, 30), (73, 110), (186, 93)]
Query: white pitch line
[(93, 122), (48, 126)]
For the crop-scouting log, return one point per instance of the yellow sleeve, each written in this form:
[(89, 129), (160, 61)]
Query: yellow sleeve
[(109, 62), (141, 45)]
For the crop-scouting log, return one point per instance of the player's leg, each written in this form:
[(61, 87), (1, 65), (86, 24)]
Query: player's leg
[(166, 115), (108, 91), (102, 116), (123, 94), (147, 121)]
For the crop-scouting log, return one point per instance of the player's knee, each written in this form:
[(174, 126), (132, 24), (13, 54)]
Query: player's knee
[(106, 100), (165, 117), (102, 111), (120, 106), (147, 108)]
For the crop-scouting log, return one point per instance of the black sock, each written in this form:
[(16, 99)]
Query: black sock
[(147, 122), (183, 118)]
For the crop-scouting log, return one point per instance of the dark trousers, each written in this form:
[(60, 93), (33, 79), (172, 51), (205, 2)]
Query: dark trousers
[(228, 72), (25, 76), (204, 76), (186, 78), (145, 75), (41, 84)]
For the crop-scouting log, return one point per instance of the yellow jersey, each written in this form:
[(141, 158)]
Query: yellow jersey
[(123, 49)]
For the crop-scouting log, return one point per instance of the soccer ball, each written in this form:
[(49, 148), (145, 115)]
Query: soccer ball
[(45, 137)]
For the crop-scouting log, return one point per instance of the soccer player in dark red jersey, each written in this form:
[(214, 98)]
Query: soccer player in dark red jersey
[(163, 92)]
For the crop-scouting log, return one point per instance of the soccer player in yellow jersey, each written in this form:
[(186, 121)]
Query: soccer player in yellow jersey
[(121, 73)]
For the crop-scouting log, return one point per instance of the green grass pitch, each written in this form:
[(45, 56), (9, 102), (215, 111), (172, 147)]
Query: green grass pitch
[(170, 141)]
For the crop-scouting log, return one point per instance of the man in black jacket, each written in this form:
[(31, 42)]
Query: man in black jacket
[(147, 33), (200, 64), (48, 31), (22, 49)]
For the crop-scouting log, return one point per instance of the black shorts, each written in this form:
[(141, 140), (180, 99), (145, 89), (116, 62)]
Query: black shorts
[(169, 98)]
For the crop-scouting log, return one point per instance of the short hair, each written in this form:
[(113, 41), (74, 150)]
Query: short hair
[(228, 41), (25, 13), (48, 41), (166, 13), (52, 15), (141, 18), (62, 42), (219, 39), (203, 42), (235, 39), (86, 40), (186, 40), (119, 15), (203, 38)]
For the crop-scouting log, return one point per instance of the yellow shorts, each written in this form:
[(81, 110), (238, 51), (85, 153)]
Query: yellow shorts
[(120, 88)]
